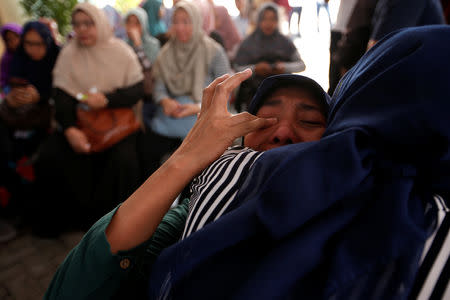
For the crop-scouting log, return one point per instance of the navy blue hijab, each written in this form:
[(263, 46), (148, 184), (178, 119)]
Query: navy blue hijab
[(345, 217), (38, 73)]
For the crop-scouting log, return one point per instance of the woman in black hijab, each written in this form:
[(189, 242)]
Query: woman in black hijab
[(267, 52), (25, 113)]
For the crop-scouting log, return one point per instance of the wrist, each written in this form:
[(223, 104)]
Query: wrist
[(183, 163), (165, 101)]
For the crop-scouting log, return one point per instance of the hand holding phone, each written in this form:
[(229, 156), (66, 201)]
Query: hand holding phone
[(22, 93)]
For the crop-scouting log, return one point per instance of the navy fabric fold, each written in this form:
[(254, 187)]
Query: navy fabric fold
[(343, 217)]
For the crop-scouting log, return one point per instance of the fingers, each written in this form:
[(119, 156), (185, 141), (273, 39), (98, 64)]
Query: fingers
[(208, 92), (223, 90), (245, 123), (186, 110), (82, 148)]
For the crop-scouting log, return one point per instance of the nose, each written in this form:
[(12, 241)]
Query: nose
[(284, 135)]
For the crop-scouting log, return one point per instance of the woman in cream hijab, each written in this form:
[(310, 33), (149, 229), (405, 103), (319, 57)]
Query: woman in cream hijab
[(187, 63), (107, 71)]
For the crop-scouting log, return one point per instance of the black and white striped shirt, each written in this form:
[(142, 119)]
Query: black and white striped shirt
[(215, 188)]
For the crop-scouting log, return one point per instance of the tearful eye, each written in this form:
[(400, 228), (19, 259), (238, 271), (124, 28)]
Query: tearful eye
[(311, 124)]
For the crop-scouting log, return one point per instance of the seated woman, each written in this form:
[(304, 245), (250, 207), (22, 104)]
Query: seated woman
[(76, 184), (136, 24), (185, 65), (25, 114), (298, 225), (267, 52)]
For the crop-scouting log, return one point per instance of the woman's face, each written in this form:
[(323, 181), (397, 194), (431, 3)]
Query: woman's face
[(182, 25), (300, 119), (84, 28), (34, 45), (269, 22), (12, 40), (133, 23)]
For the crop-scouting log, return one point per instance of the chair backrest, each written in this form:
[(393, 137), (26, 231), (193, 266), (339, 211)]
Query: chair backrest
[(432, 280)]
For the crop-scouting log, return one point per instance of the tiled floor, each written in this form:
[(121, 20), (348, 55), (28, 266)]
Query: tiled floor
[(27, 264)]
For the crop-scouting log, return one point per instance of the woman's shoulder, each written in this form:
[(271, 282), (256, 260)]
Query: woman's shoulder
[(123, 46)]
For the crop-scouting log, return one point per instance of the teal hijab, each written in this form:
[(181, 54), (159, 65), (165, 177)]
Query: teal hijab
[(150, 44), (155, 25)]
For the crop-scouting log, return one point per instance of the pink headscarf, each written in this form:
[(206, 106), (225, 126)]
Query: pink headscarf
[(207, 10), (226, 28)]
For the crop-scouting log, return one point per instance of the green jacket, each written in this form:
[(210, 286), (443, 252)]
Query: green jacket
[(91, 271)]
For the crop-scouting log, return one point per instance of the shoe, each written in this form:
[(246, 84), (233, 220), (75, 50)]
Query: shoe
[(7, 232)]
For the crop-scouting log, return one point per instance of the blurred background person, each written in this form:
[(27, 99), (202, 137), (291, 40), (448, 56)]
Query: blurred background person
[(319, 5), (206, 8), (75, 184), (168, 13), (156, 25), (296, 8), (146, 48), (396, 14), (116, 22), (53, 26), (241, 20), (371, 20), (227, 30), (25, 115), (186, 64), (337, 31), (446, 8), (138, 36), (11, 36), (267, 52)]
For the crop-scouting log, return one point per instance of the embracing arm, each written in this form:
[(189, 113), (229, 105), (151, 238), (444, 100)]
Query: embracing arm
[(214, 131)]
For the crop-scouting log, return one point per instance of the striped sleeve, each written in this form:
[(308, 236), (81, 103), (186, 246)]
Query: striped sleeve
[(215, 188)]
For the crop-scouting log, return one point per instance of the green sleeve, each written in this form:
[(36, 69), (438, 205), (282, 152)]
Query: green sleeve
[(91, 271)]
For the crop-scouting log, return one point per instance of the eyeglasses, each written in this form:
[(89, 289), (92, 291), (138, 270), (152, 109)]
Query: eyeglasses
[(86, 24), (33, 44)]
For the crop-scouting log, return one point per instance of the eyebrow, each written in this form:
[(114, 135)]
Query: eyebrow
[(305, 106), (301, 106)]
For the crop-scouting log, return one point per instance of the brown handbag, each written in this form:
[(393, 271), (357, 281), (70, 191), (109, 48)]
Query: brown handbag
[(106, 127)]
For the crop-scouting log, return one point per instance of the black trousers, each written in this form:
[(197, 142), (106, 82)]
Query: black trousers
[(77, 189), (19, 185)]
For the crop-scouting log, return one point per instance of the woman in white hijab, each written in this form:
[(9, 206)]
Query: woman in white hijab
[(76, 184), (187, 63)]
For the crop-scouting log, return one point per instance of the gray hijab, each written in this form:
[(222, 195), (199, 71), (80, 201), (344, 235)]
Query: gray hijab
[(183, 66)]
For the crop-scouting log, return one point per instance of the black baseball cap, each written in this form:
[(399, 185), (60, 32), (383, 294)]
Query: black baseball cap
[(272, 83)]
